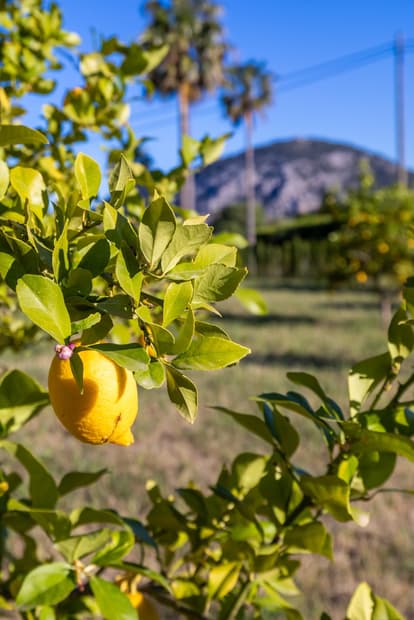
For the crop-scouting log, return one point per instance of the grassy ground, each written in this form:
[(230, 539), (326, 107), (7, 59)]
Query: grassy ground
[(305, 329)]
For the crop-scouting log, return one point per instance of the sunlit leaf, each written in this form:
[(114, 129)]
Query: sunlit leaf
[(43, 303), (88, 175), (47, 584), (18, 134)]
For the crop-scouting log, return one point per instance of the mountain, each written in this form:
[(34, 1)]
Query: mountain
[(291, 176)]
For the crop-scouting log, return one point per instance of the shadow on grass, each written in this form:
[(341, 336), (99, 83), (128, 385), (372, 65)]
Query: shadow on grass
[(349, 305), (280, 319), (301, 360)]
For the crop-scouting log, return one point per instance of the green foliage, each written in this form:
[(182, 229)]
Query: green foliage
[(135, 277), (373, 243), (87, 267)]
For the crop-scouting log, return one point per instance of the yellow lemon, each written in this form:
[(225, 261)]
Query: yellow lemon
[(107, 408), (383, 247), (146, 609), (361, 277)]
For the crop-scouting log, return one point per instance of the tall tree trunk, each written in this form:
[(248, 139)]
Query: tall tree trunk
[(250, 194), (187, 192)]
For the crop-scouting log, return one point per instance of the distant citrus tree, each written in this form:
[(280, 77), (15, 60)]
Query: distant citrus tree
[(374, 243)]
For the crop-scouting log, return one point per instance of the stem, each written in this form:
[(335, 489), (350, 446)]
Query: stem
[(239, 601), (165, 600), (187, 193), (306, 502), (403, 387), (250, 195)]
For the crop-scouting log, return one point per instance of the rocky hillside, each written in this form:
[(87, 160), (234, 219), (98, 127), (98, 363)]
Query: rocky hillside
[(291, 176)]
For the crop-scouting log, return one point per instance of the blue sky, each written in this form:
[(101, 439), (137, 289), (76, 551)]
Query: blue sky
[(355, 107)]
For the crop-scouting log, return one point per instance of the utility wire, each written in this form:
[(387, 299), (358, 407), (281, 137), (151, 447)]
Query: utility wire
[(303, 77), (329, 65)]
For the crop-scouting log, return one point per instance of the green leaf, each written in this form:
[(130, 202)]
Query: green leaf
[(186, 240), (55, 523), (21, 397), (11, 270), (229, 238), (42, 487), (88, 175), (163, 339), (47, 613), (113, 604), (182, 393), (77, 547), (77, 479), (375, 468), (210, 353), (76, 366), (130, 356), (361, 606), (214, 253), (29, 185), (41, 300), (18, 134), (98, 331), (117, 305), (121, 175), (400, 336), (141, 533), (4, 178), (128, 274), (176, 300), (282, 430), (249, 469), (86, 323), (250, 422), (189, 149), (222, 579), (96, 258), (79, 282), (149, 574), (156, 230), (211, 149), (365, 376), (370, 441), (152, 377), (154, 56), (60, 255), (118, 228), (252, 300), (309, 538), (309, 381), (185, 334), (384, 610), (119, 545), (217, 283), (210, 329), (87, 515), (331, 493), (46, 585)]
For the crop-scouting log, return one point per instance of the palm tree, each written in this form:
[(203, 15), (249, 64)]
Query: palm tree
[(248, 89), (194, 63)]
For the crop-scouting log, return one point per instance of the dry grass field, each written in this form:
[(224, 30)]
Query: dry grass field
[(311, 330)]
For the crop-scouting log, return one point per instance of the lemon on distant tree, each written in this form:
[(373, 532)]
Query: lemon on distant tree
[(106, 409), (146, 608)]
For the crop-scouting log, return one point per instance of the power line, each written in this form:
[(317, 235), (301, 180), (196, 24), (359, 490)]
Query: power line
[(308, 75), (354, 57), (332, 71)]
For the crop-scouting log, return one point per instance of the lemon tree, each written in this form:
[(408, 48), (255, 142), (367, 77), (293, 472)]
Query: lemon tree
[(121, 283), (374, 244)]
